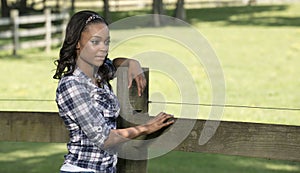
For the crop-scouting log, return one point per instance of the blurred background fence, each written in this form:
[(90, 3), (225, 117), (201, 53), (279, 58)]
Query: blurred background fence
[(119, 5), (41, 23), (32, 31)]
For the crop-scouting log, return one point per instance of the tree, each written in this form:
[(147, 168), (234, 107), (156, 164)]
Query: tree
[(23, 6), (180, 11), (157, 10), (4, 9), (106, 13), (72, 6)]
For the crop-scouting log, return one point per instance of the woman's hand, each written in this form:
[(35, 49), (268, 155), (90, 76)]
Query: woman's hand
[(117, 136), (135, 72), (158, 122)]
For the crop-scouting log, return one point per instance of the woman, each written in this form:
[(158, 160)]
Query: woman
[(85, 100)]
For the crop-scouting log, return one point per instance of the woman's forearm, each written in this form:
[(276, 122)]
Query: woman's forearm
[(118, 136), (121, 62)]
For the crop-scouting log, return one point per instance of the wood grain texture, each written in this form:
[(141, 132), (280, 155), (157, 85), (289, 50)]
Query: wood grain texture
[(247, 139), (130, 104), (32, 127), (269, 141)]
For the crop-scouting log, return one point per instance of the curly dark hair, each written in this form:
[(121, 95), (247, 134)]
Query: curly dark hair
[(67, 55)]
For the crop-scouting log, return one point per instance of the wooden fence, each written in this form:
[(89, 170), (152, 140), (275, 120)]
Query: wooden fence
[(269, 141), (125, 5), (16, 34)]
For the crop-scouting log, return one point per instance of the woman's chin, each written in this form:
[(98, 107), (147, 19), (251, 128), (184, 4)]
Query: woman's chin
[(99, 61)]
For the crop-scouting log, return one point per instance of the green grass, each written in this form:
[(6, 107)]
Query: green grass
[(258, 48), (47, 158), (201, 163), (28, 76), (31, 157)]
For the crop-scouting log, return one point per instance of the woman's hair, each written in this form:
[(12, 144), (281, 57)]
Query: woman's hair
[(68, 52)]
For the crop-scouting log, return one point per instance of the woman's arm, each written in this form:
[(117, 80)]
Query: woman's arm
[(134, 72), (118, 136)]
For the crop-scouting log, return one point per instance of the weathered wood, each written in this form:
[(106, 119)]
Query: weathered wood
[(130, 104), (32, 20), (48, 25), (15, 22), (5, 21), (32, 127), (269, 141), (30, 44)]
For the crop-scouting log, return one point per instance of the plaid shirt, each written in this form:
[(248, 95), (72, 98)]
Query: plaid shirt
[(89, 113)]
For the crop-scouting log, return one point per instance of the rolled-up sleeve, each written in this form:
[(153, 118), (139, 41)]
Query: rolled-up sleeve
[(74, 101)]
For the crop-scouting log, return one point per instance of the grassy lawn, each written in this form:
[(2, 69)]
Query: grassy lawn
[(258, 48)]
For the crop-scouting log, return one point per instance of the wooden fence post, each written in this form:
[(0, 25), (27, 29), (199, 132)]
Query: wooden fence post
[(47, 14), (64, 23), (14, 15), (130, 103)]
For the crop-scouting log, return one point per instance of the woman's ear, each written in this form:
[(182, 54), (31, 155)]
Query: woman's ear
[(78, 46)]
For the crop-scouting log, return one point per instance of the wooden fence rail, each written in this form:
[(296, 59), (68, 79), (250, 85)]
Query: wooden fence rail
[(269, 141), (20, 37), (125, 5)]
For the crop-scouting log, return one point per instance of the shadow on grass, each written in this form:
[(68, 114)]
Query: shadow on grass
[(259, 15), (176, 161), (26, 157), (245, 15), (30, 157)]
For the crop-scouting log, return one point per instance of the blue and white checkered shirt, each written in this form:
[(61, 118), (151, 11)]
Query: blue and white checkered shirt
[(89, 113)]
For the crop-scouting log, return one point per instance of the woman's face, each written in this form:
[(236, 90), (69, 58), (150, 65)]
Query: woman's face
[(93, 45)]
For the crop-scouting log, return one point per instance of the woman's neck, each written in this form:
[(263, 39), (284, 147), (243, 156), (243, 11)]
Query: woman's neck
[(88, 69)]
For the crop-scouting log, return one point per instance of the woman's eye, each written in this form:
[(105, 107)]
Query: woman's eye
[(107, 42), (95, 42)]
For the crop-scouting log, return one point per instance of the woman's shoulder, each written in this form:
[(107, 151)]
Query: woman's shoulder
[(71, 81)]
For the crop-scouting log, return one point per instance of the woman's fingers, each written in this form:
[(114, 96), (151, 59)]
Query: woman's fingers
[(158, 122), (141, 83), (140, 80), (166, 119), (136, 72)]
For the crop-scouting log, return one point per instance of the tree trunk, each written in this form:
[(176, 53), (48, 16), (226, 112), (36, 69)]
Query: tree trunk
[(4, 9), (106, 14), (180, 11), (57, 6), (157, 10), (72, 6), (44, 5), (158, 7), (23, 6)]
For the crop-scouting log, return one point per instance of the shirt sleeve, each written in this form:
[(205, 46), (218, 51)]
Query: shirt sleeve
[(74, 101)]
